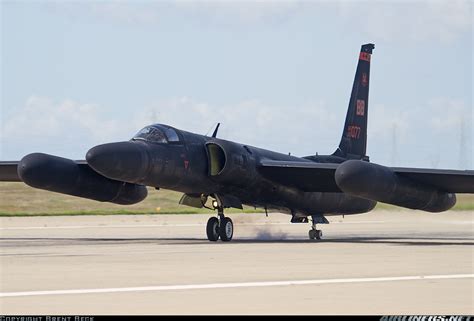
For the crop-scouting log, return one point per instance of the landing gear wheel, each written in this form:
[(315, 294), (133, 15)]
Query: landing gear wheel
[(226, 229), (212, 229), (315, 234), (319, 234)]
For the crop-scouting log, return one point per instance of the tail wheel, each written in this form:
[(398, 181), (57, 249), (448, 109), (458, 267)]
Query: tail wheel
[(212, 229), (226, 229)]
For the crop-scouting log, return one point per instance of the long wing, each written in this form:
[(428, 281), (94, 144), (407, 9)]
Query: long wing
[(307, 176), (8, 170), (319, 177), (447, 180)]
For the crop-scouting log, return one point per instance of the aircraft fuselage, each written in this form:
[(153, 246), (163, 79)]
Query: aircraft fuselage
[(202, 165)]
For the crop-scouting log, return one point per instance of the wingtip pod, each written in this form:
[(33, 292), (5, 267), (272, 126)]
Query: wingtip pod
[(36, 170), (380, 183), (65, 176)]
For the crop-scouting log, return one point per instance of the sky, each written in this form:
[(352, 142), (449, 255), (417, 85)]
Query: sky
[(275, 74)]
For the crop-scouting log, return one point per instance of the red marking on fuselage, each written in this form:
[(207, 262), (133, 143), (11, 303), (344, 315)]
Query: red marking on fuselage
[(186, 164)]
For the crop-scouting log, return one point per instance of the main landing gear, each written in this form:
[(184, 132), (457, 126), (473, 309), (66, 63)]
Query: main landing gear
[(220, 226), (314, 233)]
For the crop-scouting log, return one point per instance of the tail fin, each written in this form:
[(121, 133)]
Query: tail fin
[(354, 137)]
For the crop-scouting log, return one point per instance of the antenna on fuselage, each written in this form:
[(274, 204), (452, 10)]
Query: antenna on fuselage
[(214, 134)]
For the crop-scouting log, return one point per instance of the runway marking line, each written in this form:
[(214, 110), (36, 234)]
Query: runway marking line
[(155, 225), (234, 285)]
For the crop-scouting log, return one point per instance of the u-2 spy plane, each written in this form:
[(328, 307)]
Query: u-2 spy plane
[(228, 174)]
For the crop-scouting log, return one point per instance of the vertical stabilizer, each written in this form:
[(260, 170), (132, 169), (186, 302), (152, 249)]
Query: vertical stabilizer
[(354, 137)]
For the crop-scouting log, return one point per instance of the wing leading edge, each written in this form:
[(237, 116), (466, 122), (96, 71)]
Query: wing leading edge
[(320, 177), (446, 180), (8, 172)]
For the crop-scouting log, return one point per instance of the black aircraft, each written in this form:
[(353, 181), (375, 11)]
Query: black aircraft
[(228, 174)]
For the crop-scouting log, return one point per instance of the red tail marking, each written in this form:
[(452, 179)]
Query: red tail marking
[(360, 110), (364, 56), (364, 79)]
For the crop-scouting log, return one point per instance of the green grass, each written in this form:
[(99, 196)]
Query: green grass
[(18, 199)]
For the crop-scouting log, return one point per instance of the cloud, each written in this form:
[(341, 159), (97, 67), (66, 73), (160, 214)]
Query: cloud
[(69, 127), (442, 21), (156, 12), (44, 124), (438, 132), (421, 135), (251, 122), (121, 12), (242, 12), (397, 135)]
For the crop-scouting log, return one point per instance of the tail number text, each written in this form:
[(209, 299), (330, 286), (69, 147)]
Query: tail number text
[(353, 132)]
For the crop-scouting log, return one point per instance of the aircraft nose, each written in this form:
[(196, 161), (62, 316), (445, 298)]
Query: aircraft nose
[(123, 161)]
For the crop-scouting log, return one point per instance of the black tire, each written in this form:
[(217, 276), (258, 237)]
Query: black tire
[(212, 229), (315, 234), (319, 234), (226, 229)]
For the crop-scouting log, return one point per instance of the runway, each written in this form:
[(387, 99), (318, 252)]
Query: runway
[(384, 262)]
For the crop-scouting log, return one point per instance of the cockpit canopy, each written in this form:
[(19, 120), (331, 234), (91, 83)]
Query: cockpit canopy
[(158, 134)]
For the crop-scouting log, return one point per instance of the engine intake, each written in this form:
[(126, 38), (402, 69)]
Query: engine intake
[(229, 162), (217, 159)]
